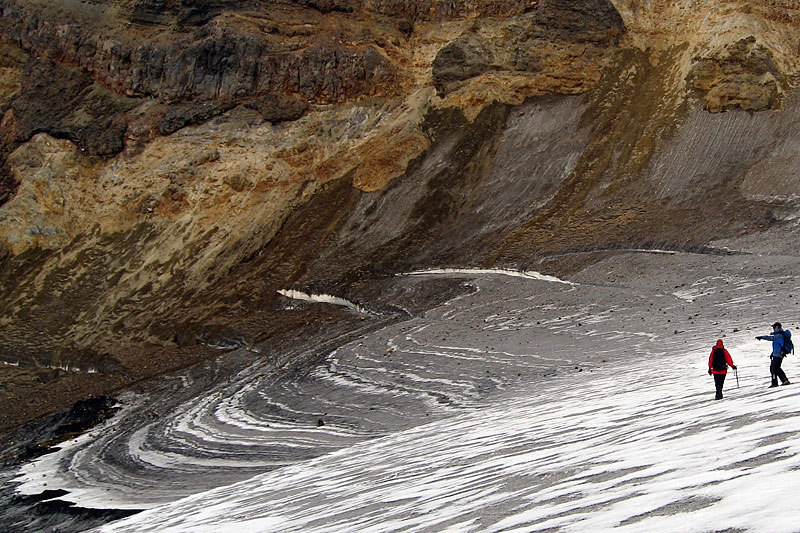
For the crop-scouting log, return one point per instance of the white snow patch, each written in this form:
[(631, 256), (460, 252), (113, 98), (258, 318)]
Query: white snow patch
[(64, 366), (321, 298), (70, 368), (655, 251), (528, 274)]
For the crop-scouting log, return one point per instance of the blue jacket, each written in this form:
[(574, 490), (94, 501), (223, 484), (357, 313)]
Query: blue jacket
[(777, 339)]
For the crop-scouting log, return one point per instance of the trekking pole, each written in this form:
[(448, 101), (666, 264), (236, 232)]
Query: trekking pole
[(736, 373)]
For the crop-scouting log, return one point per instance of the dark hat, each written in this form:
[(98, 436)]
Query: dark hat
[(776, 325)]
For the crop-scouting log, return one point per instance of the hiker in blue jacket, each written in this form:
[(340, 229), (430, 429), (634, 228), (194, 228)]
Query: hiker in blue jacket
[(778, 339)]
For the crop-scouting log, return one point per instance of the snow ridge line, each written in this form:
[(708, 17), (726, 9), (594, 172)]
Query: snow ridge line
[(321, 298), (528, 274)]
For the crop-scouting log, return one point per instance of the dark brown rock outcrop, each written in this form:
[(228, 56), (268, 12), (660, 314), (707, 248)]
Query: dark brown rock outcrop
[(179, 13), (277, 107), (744, 75), (66, 103), (554, 37), (448, 9), (464, 58), (186, 114), (212, 62), (326, 6), (8, 185)]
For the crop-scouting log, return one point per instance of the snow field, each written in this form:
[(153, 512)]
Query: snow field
[(522, 405), (639, 449)]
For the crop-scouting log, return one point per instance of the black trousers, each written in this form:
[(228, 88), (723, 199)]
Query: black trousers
[(775, 370), (719, 379)]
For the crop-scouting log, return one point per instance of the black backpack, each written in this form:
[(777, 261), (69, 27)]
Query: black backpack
[(718, 359)]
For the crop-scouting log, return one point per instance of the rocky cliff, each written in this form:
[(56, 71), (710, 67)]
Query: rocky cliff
[(166, 166)]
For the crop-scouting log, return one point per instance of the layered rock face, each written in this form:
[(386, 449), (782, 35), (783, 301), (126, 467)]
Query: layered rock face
[(235, 54), (168, 165)]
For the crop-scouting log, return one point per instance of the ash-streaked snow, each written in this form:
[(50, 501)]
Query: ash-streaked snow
[(523, 405), (644, 449)]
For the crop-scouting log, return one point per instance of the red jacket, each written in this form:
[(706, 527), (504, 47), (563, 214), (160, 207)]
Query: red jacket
[(728, 359)]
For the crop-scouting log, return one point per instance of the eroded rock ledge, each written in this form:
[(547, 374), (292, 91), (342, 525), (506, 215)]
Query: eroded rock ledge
[(558, 39), (743, 75)]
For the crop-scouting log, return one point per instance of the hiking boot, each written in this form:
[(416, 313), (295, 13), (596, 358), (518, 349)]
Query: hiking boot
[(773, 385), (786, 382)]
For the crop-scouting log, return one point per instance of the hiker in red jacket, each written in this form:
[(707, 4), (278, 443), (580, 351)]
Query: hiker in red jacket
[(718, 363)]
